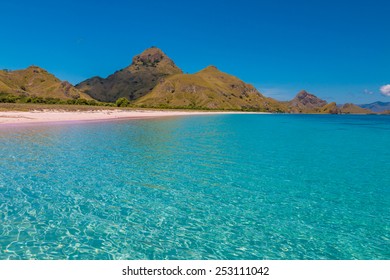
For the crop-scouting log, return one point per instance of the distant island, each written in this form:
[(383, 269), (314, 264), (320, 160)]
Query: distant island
[(153, 80)]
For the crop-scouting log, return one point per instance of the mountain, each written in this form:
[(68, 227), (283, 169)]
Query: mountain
[(153, 80), (350, 108), (305, 102), (308, 103), (208, 89), (134, 81), (35, 81), (347, 108), (377, 107)]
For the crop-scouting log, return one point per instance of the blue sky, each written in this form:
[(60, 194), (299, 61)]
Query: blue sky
[(338, 50)]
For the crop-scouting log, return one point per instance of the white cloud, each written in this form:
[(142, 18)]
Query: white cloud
[(385, 90), (366, 91)]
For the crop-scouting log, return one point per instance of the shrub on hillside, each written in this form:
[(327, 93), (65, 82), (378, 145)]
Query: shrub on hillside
[(122, 102)]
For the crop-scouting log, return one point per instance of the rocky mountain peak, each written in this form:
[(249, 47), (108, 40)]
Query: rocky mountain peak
[(306, 98), (153, 58), (134, 81), (149, 57), (305, 102), (304, 94)]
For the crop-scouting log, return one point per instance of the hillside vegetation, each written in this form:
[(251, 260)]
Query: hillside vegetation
[(208, 89), (37, 82)]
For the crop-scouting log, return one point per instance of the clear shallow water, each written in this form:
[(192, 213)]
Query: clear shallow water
[(205, 187)]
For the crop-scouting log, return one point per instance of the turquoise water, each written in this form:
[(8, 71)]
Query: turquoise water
[(200, 187)]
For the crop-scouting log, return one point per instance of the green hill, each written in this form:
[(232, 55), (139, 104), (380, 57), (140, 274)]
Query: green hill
[(37, 82), (133, 81), (208, 89), (350, 108)]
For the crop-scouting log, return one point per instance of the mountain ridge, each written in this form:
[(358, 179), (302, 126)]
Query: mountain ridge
[(377, 106), (153, 80)]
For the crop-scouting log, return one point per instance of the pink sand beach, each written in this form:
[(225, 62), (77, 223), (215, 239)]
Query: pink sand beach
[(50, 116)]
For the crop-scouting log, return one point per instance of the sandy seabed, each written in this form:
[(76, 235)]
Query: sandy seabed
[(49, 116)]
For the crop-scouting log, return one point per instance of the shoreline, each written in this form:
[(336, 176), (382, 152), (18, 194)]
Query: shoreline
[(59, 116)]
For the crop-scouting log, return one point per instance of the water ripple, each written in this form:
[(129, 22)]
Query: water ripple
[(207, 187)]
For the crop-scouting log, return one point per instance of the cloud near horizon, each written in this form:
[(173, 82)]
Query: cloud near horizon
[(366, 91), (385, 90)]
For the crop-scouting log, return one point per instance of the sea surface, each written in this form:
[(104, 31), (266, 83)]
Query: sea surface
[(199, 187)]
